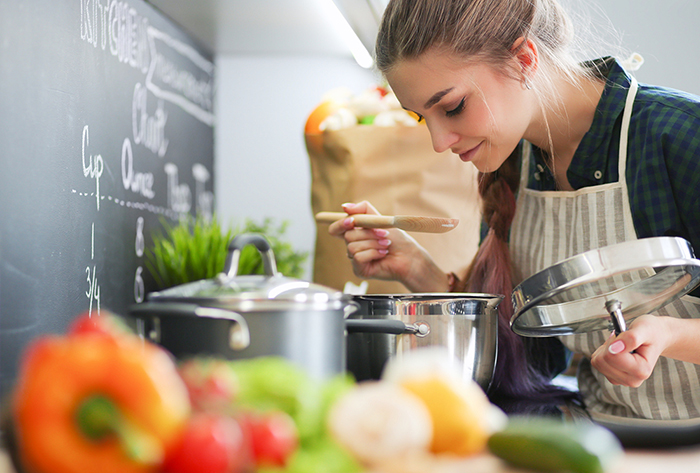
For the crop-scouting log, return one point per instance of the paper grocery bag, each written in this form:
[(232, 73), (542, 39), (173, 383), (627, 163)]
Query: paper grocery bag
[(396, 169)]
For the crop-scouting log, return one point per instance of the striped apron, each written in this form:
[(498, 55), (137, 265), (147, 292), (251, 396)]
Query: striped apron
[(550, 226)]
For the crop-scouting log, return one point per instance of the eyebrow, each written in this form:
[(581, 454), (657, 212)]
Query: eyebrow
[(436, 98)]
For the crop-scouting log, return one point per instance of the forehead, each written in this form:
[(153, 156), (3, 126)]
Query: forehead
[(415, 81)]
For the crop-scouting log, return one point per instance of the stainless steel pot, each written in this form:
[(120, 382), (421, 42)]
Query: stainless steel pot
[(465, 324), (247, 316)]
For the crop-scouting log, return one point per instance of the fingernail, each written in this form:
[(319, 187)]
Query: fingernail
[(384, 242), (380, 232), (616, 347), (348, 205), (349, 222), (383, 252)]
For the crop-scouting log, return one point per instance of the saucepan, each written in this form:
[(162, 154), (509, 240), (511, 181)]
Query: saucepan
[(244, 316), (465, 324)]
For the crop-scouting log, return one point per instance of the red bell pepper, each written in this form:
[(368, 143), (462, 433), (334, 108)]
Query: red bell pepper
[(88, 402)]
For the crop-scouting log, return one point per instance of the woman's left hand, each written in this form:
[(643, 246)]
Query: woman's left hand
[(629, 358)]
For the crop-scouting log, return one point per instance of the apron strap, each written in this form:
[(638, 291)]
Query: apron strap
[(525, 164), (624, 130), (622, 158)]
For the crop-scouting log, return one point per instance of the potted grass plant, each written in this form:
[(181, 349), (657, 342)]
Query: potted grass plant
[(195, 249)]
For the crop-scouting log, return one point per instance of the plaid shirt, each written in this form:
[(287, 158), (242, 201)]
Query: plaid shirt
[(663, 156)]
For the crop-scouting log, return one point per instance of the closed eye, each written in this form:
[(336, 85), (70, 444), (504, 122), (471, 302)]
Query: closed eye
[(455, 111)]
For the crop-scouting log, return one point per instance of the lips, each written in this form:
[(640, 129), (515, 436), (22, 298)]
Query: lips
[(468, 156)]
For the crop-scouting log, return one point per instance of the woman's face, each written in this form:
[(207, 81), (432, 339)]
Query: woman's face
[(470, 109)]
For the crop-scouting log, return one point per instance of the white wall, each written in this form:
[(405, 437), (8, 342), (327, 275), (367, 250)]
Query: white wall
[(261, 165), (262, 168), (664, 32)]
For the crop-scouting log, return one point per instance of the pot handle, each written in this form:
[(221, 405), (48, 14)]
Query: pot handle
[(243, 240), (350, 309), (239, 334), (394, 327)]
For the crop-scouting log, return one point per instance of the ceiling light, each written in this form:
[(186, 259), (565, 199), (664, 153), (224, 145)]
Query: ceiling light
[(358, 50)]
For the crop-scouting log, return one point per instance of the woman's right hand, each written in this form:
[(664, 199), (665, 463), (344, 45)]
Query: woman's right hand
[(388, 254)]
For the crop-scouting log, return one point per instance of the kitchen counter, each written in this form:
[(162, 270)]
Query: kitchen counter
[(635, 461)]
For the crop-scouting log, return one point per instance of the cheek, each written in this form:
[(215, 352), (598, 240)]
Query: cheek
[(479, 120), (507, 120)]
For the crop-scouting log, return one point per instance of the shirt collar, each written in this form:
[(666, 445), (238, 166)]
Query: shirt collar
[(590, 162)]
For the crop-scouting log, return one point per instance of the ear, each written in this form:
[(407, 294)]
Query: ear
[(525, 53)]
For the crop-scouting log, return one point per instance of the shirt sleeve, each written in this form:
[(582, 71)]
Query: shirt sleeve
[(665, 176)]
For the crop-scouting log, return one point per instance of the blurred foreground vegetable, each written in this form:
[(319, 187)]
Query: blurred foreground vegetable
[(97, 400), (546, 444), (211, 443), (420, 408), (281, 409)]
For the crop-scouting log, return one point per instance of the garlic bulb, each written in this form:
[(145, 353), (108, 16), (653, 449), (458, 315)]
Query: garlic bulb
[(377, 421)]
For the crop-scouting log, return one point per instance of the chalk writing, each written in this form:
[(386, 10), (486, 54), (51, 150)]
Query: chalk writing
[(119, 25), (138, 182), (94, 166), (93, 290), (179, 195), (204, 199), (140, 242), (179, 74), (139, 286), (148, 130)]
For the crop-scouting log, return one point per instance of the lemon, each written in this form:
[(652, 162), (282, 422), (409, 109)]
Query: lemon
[(547, 444), (459, 414)]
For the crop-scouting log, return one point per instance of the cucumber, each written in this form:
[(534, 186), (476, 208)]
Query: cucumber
[(548, 444)]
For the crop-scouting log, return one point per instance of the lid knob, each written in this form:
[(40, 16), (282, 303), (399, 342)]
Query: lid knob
[(243, 240)]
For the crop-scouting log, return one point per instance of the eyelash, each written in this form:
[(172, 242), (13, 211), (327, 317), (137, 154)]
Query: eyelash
[(450, 113), (455, 111)]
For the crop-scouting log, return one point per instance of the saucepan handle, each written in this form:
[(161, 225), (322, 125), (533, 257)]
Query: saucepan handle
[(239, 334), (614, 308), (389, 326)]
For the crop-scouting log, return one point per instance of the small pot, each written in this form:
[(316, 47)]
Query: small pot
[(465, 324), (247, 316)]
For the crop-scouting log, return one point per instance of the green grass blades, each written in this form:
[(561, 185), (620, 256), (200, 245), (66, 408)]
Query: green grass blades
[(194, 249), (549, 445)]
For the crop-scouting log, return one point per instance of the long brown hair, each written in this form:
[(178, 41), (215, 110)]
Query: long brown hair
[(485, 31)]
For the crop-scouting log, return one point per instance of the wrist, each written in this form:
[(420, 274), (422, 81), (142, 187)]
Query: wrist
[(454, 284), (427, 278), (682, 339)]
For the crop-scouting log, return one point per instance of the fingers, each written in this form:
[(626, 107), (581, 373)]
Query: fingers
[(624, 361), (341, 226), (364, 246), (363, 207)]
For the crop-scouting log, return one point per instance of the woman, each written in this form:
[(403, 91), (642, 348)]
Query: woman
[(594, 159)]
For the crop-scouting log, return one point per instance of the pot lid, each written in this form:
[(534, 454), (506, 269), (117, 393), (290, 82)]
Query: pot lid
[(252, 291), (605, 288)]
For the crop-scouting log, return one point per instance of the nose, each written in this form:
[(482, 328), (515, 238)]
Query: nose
[(442, 138)]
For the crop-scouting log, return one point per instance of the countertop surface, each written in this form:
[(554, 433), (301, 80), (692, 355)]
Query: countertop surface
[(634, 461)]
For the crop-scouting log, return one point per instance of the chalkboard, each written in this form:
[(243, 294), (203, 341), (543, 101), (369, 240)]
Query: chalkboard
[(106, 128)]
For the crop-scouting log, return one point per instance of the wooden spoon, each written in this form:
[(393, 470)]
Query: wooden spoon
[(409, 223)]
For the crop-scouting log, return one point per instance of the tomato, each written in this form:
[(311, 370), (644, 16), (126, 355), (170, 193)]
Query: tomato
[(212, 384), (211, 443), (106, 324), (273, 436)]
